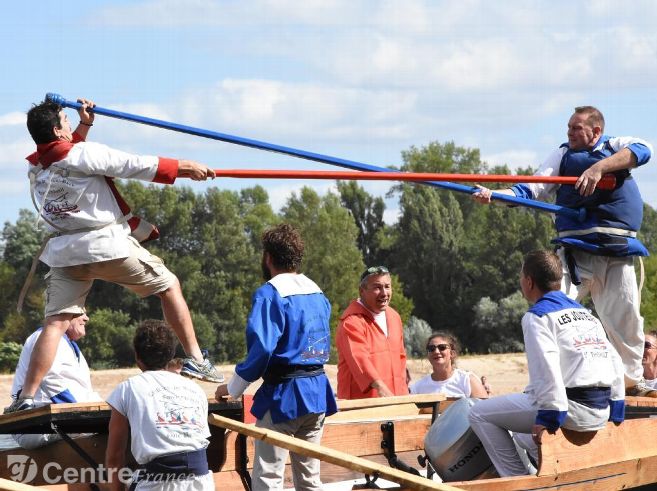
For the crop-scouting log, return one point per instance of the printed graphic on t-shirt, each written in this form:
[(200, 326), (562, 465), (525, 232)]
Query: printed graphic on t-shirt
[(588, 337), (178, 409)]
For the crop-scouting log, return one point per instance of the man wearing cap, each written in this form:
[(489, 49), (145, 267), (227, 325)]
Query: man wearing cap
[(370, 342)]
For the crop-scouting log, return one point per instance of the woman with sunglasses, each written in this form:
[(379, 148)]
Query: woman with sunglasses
[(442, 350), (650, 360)]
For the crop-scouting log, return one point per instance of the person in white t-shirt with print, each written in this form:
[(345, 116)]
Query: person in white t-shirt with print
[(442, 350), (650, 359), (169, 418)]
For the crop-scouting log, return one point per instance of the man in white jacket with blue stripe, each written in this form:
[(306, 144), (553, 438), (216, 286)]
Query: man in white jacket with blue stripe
[(68, 379), (575, 375)]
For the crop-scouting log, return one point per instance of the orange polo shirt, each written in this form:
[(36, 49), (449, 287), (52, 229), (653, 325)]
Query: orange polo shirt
[(365, 353)]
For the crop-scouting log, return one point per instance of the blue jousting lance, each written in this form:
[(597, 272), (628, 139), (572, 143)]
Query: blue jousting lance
[(578, 214)]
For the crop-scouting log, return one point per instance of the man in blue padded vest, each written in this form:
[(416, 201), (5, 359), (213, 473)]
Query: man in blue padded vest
[(598, 252)]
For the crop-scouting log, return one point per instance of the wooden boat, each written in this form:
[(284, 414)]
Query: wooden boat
[(618, 457)]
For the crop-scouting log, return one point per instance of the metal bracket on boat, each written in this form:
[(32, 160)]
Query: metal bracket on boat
[(370, 482), (80, 451), (388, 446), (423, 460)]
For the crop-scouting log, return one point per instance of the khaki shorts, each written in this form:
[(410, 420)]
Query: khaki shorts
[(142, 272)]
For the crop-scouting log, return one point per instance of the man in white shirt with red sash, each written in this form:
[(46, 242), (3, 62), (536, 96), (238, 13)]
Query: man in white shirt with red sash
[(71, 186)]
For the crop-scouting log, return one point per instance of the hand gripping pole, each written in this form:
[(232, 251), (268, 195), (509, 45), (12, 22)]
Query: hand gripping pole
[(578, 214)]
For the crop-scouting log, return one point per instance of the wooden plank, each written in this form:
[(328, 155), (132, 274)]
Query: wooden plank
[(61, 453), (363, 439), (610, 477), (569, 450), (348, 404), (375, 413), (641, 402), (7, 419), (8, 485), (86, 417), (329, 455)]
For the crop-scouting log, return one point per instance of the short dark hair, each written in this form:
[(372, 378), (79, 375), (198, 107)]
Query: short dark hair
[(155, 344), (594, 116), (285, 246), (41, 119), (544, 267)]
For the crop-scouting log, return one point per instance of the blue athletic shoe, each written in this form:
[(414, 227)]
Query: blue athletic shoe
[(204, 370), (20, 404)]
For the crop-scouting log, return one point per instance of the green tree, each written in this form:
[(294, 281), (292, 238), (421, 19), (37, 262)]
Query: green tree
[(649, 294), (428, 255), (498, 324), (229, 272), (416, 333), (367, 212), (648, 232), (108, 341), (21, 242), (257, 214), (9, 354)]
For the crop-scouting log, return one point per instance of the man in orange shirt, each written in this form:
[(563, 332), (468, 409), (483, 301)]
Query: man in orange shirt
[(370, 342)]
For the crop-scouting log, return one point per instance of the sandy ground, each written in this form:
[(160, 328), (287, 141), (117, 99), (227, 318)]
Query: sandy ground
[(506, 373)]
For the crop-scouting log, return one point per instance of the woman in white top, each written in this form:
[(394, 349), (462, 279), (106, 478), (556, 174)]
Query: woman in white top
[(442, 350), (650, 359)]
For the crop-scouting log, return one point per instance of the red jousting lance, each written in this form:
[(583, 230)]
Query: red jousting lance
[(608, 181)]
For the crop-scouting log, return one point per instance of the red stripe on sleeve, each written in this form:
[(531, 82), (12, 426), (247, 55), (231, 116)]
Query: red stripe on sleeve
[(167, 171)]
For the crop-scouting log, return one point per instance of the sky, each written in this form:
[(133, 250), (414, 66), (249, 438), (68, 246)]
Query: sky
[(358, 80)]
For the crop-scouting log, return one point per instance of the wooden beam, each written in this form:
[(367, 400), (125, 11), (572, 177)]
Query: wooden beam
[(376, 413), (568, 450), (641, 402), (329, 455), (348, 404), (363, 439), (54, 409)]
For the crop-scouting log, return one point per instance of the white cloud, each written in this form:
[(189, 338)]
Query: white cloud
[(513, 158), (191, 13), (300, 110), (12, 119), (14, 187), (13, 153), (391, 215), (281, 191)]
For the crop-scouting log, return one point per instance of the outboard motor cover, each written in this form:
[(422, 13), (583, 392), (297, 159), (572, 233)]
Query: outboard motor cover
[(454, 450)]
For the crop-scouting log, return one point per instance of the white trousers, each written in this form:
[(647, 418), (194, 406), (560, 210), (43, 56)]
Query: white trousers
[(611, 282), (269, 461), (492, 419)]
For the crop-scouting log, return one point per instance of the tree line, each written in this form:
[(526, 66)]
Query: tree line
[(455, 263)]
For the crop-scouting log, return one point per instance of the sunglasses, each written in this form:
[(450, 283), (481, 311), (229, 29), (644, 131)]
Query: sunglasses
[(374, 270), (649, 345), (439, 347)]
